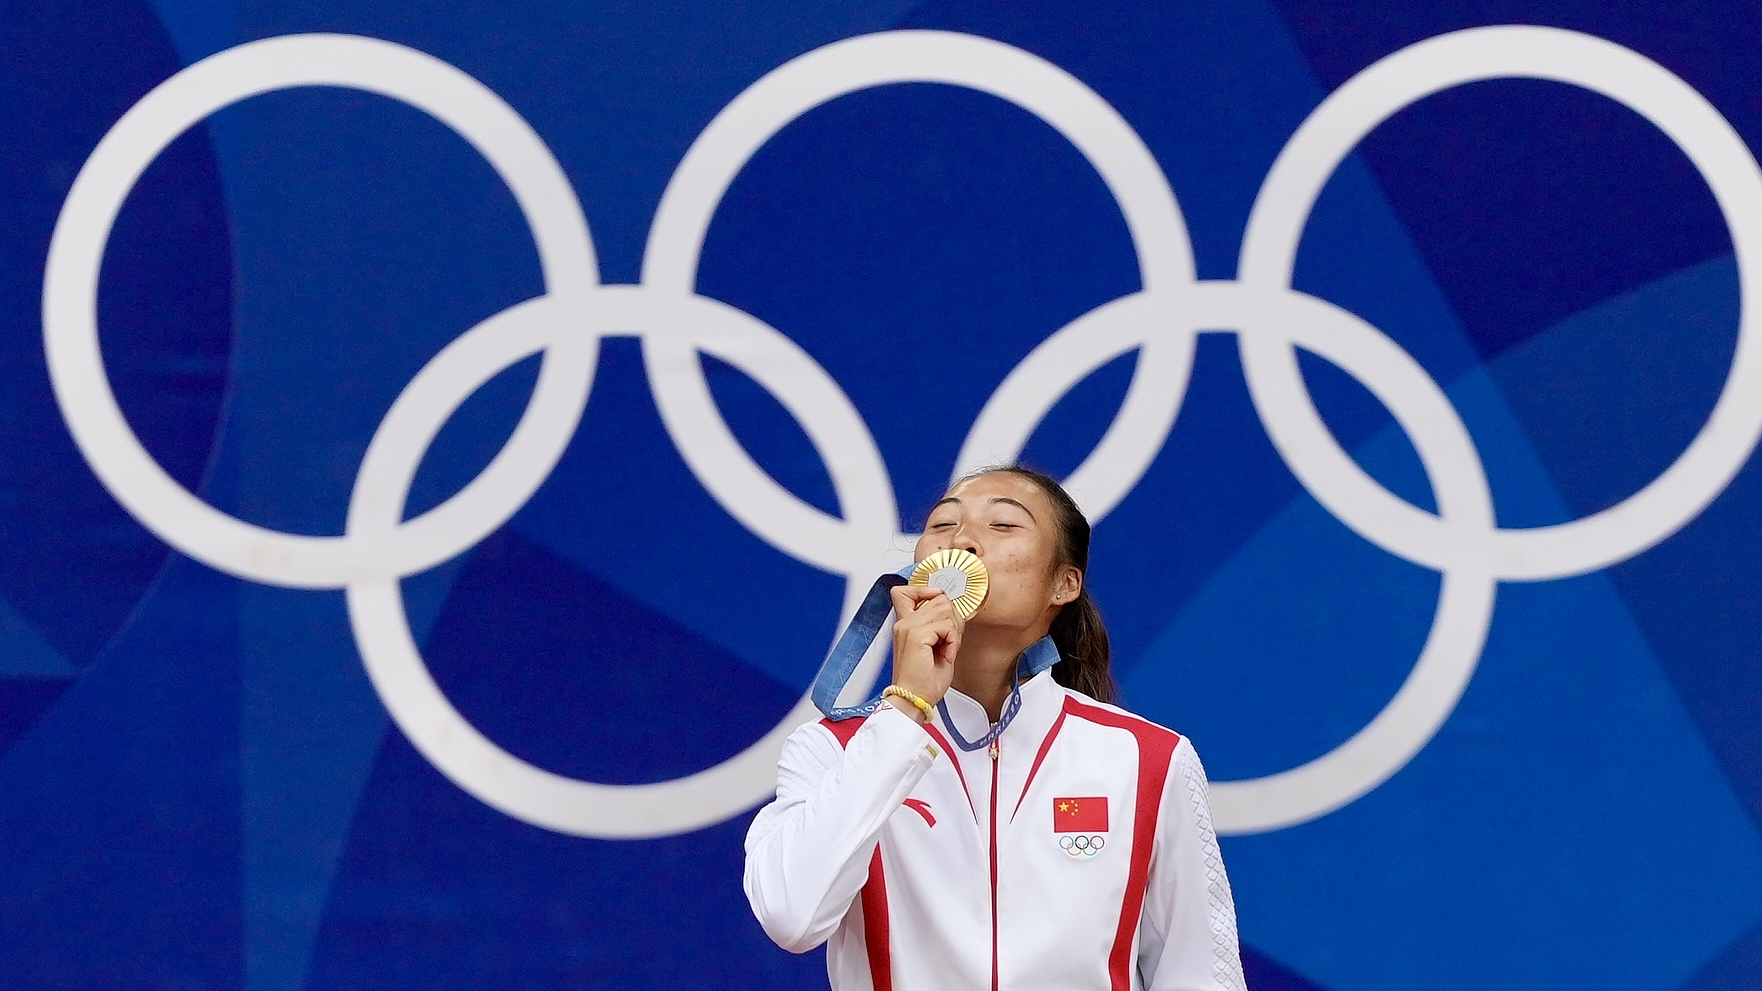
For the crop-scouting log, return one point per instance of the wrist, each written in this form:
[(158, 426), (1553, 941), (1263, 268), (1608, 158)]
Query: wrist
[(910, 710), (908, 702)]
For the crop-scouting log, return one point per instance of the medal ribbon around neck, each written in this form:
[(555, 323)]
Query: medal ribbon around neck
[(1040, 655)]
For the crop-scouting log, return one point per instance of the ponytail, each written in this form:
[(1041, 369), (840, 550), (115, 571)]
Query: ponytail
[(1085, 662)]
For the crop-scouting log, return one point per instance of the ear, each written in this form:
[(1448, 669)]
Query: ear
[(1067, 585)]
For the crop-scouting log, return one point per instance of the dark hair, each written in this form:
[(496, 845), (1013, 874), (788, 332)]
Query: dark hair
[(1077, 630)]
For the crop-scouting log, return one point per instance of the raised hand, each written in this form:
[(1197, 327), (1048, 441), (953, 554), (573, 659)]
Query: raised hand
[(926, 638)]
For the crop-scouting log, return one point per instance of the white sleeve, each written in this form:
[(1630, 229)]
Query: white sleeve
[(1187, 936), (808, 851)]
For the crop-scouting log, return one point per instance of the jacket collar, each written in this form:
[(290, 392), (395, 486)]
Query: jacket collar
[(1042, 700)]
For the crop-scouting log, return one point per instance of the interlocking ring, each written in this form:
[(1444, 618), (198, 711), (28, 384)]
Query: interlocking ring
[(1160, 321), (566, 258), (1082, 846)]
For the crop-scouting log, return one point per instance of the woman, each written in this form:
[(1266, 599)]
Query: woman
[(990, 827)]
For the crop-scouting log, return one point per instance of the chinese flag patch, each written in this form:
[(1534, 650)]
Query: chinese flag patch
[(1080, 815)]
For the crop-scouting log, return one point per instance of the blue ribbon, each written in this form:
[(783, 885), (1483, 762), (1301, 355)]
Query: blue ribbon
[(866, 625), (852, 644), (1040, 655)]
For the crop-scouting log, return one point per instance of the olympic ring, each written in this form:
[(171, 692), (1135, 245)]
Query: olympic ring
[(1082, 846), (1160, 321), (70, 319), (1269, 248)]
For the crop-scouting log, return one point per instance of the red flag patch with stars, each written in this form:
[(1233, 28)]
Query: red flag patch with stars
[(1080, 814)]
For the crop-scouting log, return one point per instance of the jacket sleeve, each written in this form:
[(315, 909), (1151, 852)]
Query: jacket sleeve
[(1187, 937), (808, 851)]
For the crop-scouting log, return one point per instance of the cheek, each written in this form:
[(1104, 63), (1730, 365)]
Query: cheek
[(1019, 577), (925, 545)]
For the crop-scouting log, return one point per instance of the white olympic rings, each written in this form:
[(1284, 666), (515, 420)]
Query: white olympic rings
[(1462, 540)]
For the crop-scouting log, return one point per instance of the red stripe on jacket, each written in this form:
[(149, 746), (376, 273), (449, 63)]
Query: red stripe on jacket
[(1156, 749), (844, 729), (1033, 769), (875, 931), (876, 935)]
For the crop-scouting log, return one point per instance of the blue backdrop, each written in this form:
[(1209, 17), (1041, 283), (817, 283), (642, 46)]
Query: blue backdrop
[(201, 786)]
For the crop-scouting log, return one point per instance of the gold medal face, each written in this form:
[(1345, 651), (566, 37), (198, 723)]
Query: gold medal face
[(959, 574)]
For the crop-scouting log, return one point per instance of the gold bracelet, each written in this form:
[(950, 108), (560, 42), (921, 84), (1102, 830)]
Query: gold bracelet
[(910, 696)]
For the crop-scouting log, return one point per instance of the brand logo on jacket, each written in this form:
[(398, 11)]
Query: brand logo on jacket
[(922, 808)]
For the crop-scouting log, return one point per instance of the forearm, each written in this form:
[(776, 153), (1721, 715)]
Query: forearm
[(808, 852)]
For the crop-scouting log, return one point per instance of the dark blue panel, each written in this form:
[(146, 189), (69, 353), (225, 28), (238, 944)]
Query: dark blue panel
[(776, 442), (1735, 969), (23, 702), (1588, 392), (369, 237), (1532, 200), (925, 263), (569, 674), (1075, 424), (623, 507), (1611, 397), (121, 810), (1696, 596), (1263, 973), (439, 891), (71, 561), (619, 91)]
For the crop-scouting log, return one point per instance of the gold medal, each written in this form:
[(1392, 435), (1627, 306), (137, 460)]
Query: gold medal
[(960, 575)]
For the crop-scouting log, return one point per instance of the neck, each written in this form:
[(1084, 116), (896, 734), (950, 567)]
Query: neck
[(986, 669)]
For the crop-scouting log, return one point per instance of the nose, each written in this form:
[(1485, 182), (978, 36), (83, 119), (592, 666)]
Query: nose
[(963, 540)]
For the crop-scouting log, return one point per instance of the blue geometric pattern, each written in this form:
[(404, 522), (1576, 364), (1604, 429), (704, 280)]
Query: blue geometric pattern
[(201, 787)]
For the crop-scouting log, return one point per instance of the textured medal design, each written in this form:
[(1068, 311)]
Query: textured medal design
[(960, 575)]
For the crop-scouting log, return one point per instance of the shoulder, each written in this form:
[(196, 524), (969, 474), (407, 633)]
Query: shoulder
[(841, 730), (1080, 706), (827, 736), (817, 743)]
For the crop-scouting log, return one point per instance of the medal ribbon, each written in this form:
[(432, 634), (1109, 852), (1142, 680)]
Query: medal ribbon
[(852, 644), (866, 625), (1039, 656)]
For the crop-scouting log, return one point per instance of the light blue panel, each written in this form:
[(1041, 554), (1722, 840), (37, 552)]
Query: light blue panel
[(310, 727), (1307, 629), (1569, 795)]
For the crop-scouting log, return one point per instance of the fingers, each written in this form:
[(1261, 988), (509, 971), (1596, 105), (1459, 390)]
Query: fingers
[(926, 638), (949, 645), (921, 608), (903, 594)]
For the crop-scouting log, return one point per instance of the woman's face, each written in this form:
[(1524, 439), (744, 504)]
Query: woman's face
[(1008, 522)]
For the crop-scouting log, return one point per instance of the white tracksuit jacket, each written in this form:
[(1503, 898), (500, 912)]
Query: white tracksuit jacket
[(933, 869)]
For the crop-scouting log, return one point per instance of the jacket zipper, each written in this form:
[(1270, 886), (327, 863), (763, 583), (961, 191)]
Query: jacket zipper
[(994, 776)]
